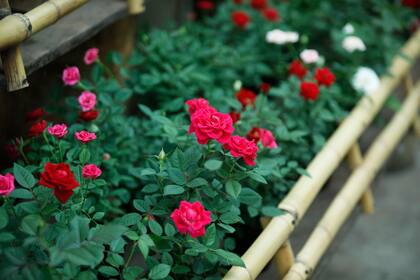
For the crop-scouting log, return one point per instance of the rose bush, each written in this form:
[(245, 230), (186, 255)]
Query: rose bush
[(232, 109)]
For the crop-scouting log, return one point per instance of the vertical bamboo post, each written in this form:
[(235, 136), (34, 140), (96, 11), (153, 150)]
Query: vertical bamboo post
[(13, 67), (284, 258), (355, 159), (408, 84), (135, 7)]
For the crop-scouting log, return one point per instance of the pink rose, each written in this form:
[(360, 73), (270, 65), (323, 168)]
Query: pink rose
[(242, 147), (196, 104), (85, 136), (58, 130), (71, 76), (191, 218), (309, 56), (7, 184), (91, 171), (87, 101), (267, 139), (208, 124), (91, 56)]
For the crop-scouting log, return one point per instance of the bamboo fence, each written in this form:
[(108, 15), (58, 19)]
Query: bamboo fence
[(296, 203), (345, 201), (15, 28)]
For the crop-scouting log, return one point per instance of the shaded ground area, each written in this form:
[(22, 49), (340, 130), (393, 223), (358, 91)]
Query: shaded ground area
[(385, 245)]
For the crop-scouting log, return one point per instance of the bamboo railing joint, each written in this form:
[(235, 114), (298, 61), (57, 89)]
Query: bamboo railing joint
[(291, 211), (307, 269)]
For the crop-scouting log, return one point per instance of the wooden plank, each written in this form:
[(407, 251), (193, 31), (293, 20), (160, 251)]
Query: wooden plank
[(69, 32)]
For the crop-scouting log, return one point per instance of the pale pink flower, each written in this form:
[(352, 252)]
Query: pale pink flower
[(87, 101), (58, 130)]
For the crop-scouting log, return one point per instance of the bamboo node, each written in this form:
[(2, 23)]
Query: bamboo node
[(291, 211), (57, 8), (308, 269), (27, 22)]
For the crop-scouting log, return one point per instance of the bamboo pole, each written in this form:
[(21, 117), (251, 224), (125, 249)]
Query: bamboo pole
[(12, 61), (135, 7), (16, 28), (408, 84), (305, 190), (284, 257), (355, 159), (356, 185)]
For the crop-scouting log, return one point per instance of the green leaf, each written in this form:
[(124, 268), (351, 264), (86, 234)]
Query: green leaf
[(271, 211), (21, 193), (213, 164), (210, 236), (197, 182), (23, 176), (169, 230), (84, 155), (6, 237), (159, 271), (4, 217), (173, 190), (132, 272), (230, 218), (107, 233), (176, 176), (250, 197), (257, 177), (108, 270), (155, 227), (31, 223), (230, 258), (233, 188)]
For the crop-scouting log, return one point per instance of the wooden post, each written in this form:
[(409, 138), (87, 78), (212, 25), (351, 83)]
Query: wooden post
[(13, 67), (284, 257), (408, 84), (355, 159), (135, 7)]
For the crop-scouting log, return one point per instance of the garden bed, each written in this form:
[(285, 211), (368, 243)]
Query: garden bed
[(160, 166)]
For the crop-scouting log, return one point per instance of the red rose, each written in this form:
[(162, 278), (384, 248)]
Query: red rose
[(296, 68), (208, 124), (91, 171), (240, 18), (241, 147), (246, 97), (35, 114), (265, 87), (411, 3), (259, 4), (324, 76), (254, 134), (309, 90), (60, 178), (235, 116), (89, 115), (196, 104), (191, 218), (205, 5), (37, 128), (271, 14)]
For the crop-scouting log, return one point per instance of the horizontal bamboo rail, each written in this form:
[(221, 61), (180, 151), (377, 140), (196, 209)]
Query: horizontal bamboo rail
[(322, 166), (15, 28), (356, 185)]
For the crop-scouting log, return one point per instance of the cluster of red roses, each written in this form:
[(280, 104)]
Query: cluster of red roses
[(241, 18), (310, 90), (209, 124)]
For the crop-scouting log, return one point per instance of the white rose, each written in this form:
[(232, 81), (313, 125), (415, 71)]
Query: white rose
[(353, 43), (366, 80), (348, 29), (237, 85), (309, 56), (280, 37)]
